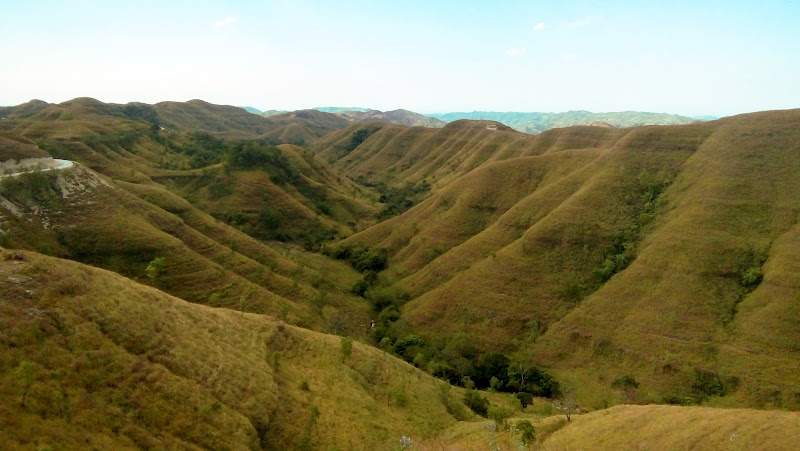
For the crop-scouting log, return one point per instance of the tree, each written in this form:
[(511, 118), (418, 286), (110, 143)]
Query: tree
[(524, 398), (346, 347), (27, 375), (155, 269), (567, 403), (628, 386)]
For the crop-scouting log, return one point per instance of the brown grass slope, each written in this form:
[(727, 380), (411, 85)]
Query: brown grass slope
[(399, 155), (320, 204), (397, 117), (675, 428), (107, 139), (92, 360), (683, 304), (224, 121), (680, 216), (303, 127), (208, 261)]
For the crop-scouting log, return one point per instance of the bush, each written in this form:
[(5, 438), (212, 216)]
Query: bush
[(525, 398), (752, 278), (499, 414), (476, 402), (527, 433), (156, 269)]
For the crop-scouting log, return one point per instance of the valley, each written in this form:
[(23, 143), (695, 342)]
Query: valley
[(306, 280)]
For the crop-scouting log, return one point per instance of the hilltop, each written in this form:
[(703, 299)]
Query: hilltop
[(534, 123), (398, 117)]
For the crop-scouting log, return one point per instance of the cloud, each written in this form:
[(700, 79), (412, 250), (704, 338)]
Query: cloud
[(581, 22), (226, 21), (538, 26), (516, 52), (569, 57)]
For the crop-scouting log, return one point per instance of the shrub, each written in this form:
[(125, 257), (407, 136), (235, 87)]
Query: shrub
[(527, 433), (476, 402), (499, 414), (752, 277), (155, 269), (524, 398), (346, 347)]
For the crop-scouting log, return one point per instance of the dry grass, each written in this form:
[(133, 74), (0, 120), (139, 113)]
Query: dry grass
[(529, 249), (123, 365), (675, 428)]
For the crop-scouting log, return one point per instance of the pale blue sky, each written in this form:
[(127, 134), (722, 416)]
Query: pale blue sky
[(691, 58)]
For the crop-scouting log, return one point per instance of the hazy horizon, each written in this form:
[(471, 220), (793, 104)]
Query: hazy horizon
[(712, 59)]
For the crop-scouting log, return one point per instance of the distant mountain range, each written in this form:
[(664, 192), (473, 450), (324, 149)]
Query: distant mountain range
[(531, 123), (534, 123)]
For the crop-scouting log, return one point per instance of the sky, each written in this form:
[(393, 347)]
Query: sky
[(691, 58)]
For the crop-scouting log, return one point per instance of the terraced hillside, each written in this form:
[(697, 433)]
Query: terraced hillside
[(666, 254)]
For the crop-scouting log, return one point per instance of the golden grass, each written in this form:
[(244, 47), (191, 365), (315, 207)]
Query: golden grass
[(139, 368), (680, 306), (676, 428)]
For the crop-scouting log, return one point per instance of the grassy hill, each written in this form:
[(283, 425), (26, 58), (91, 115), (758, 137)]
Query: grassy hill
[(670, 427), (534, 123), (400, 156), (80, 343), (91, 359), (397, 117), (223, 121), (661, 253), (121, 208), (650, 264)]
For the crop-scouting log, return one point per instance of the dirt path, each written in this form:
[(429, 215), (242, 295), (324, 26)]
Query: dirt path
[(59, 164)]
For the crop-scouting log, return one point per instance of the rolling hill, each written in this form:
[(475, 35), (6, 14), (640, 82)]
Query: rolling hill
[(599, 265), (397, 117), (121, 208), (91, 359), (400, 156), (590, 254)]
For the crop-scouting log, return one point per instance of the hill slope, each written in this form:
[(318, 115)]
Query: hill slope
[(678, 239), (400, 156), (92, 359), (669, 427), (125, 218)]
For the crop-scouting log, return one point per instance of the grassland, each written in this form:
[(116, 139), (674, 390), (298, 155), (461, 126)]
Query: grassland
[(121, 208), (670, 427), (643, 265), (662, 253), (91, 359)]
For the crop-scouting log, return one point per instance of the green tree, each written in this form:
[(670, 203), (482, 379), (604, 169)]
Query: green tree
[(627, 385), (155, 269), (26, 375), (346, 347)]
